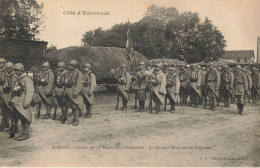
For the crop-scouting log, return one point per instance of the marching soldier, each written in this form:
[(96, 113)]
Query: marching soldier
[(5, 120), (124, 83), (141, 85), (46, 89), (184, 88), (240, 87), (22, 97), (158, 87), (59, 91), (7, 95), (73, 87), (227, 81), (212, 81), (172, 87), (89, 85), (195, 86), (255, 84)]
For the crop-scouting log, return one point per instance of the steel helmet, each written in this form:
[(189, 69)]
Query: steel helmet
[(9, 65), (2, 60), (18, 66), (87, 65), (123, 66), (238, 67), (172, 69), (45, 64), (61, 64), (73, 62), (157, 65), (141, 63)]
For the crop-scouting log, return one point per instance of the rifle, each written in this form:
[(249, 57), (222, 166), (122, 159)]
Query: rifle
[(165, 98)]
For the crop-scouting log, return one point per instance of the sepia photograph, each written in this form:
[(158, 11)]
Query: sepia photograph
[(130, 83)]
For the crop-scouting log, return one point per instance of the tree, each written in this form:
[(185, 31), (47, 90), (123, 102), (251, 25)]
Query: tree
[(51, 48), (20, 18)]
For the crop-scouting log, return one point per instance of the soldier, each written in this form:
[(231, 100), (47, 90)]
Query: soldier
[(172, 87), (59, 91), (195, 86), (184, 88), (124, 83), (73, 87), (141, 85), (240, 87), (255, 84), (22, 97), (227, 81), (203, 88), (7, 95), (89, 85), (158, 87), (249, 79), (46, 89), (212, 81), (5, 120)]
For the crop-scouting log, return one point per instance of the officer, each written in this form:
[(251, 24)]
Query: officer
[(73, 87), (184, 88), (5, 120), (157, 82), (240, 87), (172, 87), (255, 91), (89, 85), (59, 91), (7, 95), (195, 86), (212, 81), (141, 85), (22, 97), (124, 83), (227, 82), (46, 89)]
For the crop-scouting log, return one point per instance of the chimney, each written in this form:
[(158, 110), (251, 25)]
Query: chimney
[(258, 50)]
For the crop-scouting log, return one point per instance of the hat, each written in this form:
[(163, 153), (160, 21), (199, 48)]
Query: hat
[(123, 66), (141, 63), (45, 64), (73, 62), (9, 65), (238, 67), (18, 66), (2, 60), (87, 65), (61, 64), (172, 69)]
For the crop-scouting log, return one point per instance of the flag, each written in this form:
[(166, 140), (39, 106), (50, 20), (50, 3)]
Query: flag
[(130, 54)]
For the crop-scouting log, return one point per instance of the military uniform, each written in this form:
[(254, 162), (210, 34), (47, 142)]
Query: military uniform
[(255, 91), (172, 87), (157, 83), (89, 85), (203, 87), (46, 90), (184, 88), (73, 87), (240, 87), (212, 81), (5, 118), (22, 97), (141, 86), (249, 79), (227, 82), (195, 86), (59, 92)]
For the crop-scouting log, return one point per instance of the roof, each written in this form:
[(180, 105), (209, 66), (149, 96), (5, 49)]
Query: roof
[(239, 54), (25, 40)]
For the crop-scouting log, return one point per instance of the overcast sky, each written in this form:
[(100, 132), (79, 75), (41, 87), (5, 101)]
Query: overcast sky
[(238, 20)]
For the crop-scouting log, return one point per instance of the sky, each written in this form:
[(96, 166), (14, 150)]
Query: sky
[(238, 20)]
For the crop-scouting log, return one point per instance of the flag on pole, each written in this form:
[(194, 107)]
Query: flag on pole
[(130, 54)]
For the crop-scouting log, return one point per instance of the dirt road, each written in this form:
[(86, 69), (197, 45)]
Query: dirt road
[(188, 137)]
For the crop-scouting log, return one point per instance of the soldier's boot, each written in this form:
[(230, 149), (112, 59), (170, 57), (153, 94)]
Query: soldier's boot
[(89, 113), (238, 108), (64, 115), (159, 110), (26, 131), (54, 117), (76, 120), (172, 108), (205, 103), (213, 107), (228, 102), (22, 131), (124, 108), (140, 106), (48, 112)]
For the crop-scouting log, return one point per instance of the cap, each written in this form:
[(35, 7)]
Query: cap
[(9, 65), (123, 66), (141, 63), (73, 62), (18, 66), (45, 64), (61, 64), (87, 65), (2, 60)]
